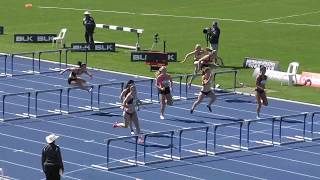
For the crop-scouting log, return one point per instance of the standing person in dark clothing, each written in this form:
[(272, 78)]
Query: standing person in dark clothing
[(214, 34), (52, 164), (89, 25)]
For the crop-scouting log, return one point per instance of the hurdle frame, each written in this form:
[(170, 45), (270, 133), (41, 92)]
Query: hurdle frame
[(248, 122), (281, 119), (135, 163), (27, 116), (235, 72), (49, 51), (312, 126), (48, 91), (5, 56), (167, 159), (124, 29), (21, 54), (215, 127), (180, 131), (99, 94), (83, 110)]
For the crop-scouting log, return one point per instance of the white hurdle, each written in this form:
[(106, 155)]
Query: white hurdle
[(126, 29)]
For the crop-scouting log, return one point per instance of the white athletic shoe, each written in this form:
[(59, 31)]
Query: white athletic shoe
[(161, 117), (132, 132), (90, 90)]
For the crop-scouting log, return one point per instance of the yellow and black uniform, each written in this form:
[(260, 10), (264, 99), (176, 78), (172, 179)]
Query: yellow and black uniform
[(52, 161)]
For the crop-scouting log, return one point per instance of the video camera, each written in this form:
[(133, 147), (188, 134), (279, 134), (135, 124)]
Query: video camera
[(206, 30)]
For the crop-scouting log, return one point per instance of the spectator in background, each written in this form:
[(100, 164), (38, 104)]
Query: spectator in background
[(52, 164), (89, 25), (213, 35)]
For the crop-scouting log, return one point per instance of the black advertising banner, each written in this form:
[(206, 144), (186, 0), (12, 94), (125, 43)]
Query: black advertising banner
[(99, 47), (153, 56), (34, 38), (1, 30)]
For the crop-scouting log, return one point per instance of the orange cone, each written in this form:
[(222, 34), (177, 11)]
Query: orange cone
[(28, 5)]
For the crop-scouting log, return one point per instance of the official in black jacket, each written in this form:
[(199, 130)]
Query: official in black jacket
[(89, 25), (52, 164)]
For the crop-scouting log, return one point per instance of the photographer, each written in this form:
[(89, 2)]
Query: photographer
[(89, 25), (213, 34)]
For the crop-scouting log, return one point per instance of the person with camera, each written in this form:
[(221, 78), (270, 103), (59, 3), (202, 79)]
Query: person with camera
[(213, 35), (89, 25)]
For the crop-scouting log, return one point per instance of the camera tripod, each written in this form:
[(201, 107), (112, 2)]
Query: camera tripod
[(155, 41)]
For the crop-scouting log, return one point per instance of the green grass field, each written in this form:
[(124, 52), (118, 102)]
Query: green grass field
[(283, 30)]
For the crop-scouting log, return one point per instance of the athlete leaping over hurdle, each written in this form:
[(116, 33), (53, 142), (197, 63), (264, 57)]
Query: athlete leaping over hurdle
[(75, 72)]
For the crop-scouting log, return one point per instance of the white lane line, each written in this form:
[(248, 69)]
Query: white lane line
[(187, 17), (295, 24), (79, 9), (294, 15)]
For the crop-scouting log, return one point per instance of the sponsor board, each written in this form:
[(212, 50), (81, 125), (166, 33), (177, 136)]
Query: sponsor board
[(1, 29), (310, 79), (257, 62), (34, 38), (99, 47), (154, 56)]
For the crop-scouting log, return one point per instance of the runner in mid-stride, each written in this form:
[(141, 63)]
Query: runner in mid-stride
[(206, 90), (260, 89), (75, 72), (130, 114), (164, 85)]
